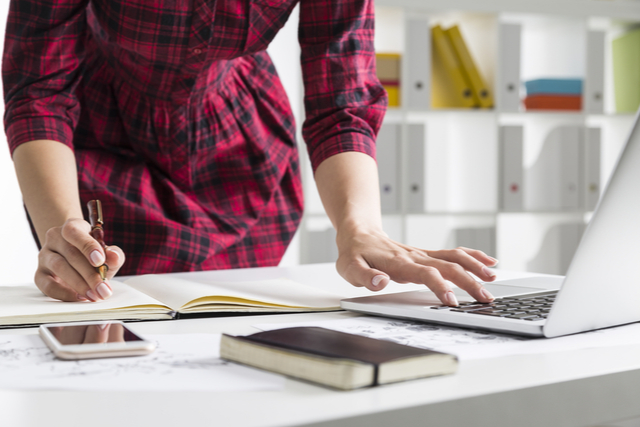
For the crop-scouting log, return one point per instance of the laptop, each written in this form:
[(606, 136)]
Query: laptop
[(601, 287)]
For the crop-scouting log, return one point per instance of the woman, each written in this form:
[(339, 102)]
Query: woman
[(171, 113)]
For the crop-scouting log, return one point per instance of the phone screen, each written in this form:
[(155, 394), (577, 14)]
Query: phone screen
[(99, 333)]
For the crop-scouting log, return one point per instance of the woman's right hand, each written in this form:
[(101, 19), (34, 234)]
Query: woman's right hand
[(67, 261)]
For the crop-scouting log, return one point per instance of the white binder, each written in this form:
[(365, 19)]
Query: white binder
[(508, 85), (417, 64), (591, 169), (321, 246), (463, 237), (510, 150), (557, 249), (388, 157), (416, 168), (593, 90), (569, 167), (553, 182), (481, 238), (486, 240)]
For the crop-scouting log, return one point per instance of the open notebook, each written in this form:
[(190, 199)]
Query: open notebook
[(164, 297)]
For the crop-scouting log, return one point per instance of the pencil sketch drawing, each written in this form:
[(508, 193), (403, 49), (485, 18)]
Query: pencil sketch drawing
[(180, 362)]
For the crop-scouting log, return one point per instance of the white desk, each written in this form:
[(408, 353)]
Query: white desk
[(575, 388)]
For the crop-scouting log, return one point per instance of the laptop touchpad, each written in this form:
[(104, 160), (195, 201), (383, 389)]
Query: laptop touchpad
[(507, 288), (497, 291)]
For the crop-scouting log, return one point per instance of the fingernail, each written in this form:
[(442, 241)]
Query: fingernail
[(488, 272), (96, 258), (104, 290), (115, 253), (377, 279), (92, 296), (80, 298), (102, 326), (485, 293), (451, 298), (494, 260)]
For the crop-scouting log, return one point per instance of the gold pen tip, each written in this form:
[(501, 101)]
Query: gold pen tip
[(102, 270)]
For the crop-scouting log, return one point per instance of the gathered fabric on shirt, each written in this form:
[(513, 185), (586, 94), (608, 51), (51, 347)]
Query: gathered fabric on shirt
[(179, 122)]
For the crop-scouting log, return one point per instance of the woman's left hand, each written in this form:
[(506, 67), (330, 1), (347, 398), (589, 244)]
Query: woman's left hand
[(370, 258)]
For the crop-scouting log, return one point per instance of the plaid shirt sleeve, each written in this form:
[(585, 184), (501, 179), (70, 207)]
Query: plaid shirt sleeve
[(42, 57), (344, 100)]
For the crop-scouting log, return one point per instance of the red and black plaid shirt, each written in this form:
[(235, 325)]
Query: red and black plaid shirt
[(178, 121)]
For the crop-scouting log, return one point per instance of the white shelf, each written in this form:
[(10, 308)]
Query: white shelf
[(399, 113), (460, 186), (322, 215), (620, 9)]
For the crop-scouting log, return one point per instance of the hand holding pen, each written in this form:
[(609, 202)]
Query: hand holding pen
[(96, 221), (74, 263)]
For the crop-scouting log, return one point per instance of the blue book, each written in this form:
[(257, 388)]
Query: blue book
[(554, 86)]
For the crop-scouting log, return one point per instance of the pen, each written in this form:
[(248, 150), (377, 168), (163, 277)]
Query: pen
[(97, 232)]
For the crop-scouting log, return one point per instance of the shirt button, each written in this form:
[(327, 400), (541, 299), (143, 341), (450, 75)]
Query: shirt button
[(197, 51)]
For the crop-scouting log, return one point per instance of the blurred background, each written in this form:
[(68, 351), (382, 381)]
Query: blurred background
[(505, 120)]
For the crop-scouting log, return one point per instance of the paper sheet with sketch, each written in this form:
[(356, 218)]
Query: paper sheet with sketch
[(186, 362), (466, 343)]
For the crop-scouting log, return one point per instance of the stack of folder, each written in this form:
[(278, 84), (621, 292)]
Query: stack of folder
[(553, 94), (456, 81), (388, 72)]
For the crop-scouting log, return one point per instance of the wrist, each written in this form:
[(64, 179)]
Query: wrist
[(352, 229)]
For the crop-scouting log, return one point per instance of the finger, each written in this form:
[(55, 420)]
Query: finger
[(97, 334), (72, 269), (457, 274), (76, 232), (469, 262), (75, 235), (56, 331), (116, 333), (115, 260), (432, 278), (358, 272), (480, 256), (59, 266), (73, 334), (53, 288)]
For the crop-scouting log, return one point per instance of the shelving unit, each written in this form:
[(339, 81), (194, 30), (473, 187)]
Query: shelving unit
[(462, 146), (619, 9)]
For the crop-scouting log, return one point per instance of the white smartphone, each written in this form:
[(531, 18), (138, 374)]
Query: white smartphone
[(89, 340)]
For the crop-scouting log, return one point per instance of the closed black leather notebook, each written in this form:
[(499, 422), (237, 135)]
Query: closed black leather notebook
[(333, 358)]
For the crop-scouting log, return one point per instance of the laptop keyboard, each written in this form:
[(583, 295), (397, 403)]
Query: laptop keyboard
[(524, 307)]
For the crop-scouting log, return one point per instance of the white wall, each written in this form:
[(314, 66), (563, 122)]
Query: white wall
[(18, 252)]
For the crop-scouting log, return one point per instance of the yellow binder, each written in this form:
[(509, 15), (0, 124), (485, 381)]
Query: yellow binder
[(478, 85), (388, 66), (449, 86), (393, 95), (388, 72)]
